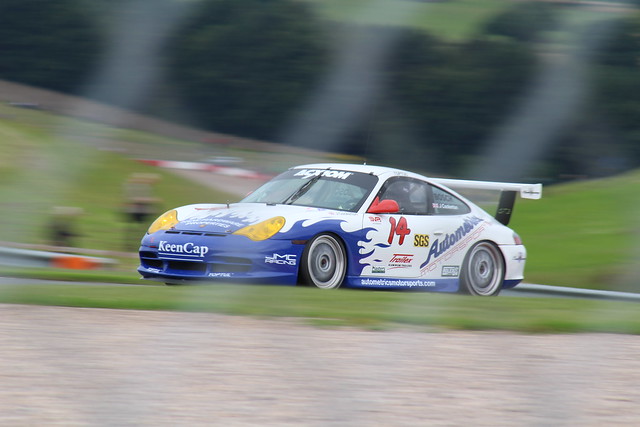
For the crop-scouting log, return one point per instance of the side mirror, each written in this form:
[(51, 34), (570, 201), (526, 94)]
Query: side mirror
[(384, 206)]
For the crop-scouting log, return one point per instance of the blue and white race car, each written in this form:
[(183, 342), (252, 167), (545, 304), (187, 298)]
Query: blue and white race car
[(356, 226)]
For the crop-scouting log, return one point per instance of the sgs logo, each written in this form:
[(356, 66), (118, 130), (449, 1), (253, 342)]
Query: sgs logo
[(421, 240)]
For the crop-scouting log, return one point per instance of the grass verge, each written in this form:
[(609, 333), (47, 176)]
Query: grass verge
[(370, 310), (583, 234)]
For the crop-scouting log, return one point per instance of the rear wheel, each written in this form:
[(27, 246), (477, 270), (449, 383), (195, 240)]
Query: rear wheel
[(482, 270), (324, 262)]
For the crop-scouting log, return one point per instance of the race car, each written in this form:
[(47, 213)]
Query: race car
[(344, 225)]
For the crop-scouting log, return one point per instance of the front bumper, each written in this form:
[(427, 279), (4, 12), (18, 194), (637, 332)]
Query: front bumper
[(188, 258)]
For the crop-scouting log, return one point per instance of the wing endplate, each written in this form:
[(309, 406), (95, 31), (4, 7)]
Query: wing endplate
[(505, 207)]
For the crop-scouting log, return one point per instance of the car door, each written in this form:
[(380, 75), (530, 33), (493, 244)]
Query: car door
[(398, 239), (421, 239)]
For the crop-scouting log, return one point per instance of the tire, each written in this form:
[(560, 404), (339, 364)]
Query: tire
[(324, 262), (482, 270)]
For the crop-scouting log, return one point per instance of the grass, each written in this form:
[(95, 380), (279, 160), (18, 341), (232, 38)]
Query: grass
[(371, 310), (583, 234), (126, 273), (50, 161)]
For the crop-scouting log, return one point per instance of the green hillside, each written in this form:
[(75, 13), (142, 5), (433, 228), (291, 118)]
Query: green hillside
[(579, 234), (49, 161), (584, 234)]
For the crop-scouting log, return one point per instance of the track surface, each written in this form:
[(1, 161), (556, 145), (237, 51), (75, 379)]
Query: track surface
[(74, 366), (79, 366)]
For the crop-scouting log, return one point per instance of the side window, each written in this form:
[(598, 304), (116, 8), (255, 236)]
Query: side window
[(410, 194), (447, 204)]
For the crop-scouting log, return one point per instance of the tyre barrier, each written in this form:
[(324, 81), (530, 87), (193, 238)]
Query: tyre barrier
[(206, 167), (15, 257)]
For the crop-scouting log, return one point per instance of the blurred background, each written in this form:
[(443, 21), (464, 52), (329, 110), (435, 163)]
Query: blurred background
[(97, 95), (114, 111)]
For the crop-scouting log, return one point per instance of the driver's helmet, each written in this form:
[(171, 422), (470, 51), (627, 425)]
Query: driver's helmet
[(400, 192)]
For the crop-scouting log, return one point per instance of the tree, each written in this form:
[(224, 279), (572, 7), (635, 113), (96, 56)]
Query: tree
[(524, 21), (617, 84), (244, 66), (455, 94), (51, 44)]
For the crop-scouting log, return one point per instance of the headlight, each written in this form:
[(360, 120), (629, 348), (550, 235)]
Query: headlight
[(164, 222), (262, 230)]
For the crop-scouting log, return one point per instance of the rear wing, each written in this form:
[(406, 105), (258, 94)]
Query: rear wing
[(508, 191)]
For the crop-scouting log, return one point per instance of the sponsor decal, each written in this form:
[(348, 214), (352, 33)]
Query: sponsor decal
[(421, 240), (401, 260), (531, 192), (450, 271), (440, 285), (441, 197), (217, 222), (444, 249), (375, 219), (310, 173), (214, 208), (377, 270), (397, 283), (520, 257), (287, 259), (182, 249), (219, 274), (440, 246)]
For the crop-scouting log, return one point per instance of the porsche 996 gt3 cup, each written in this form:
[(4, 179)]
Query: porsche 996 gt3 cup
[(339, 225)]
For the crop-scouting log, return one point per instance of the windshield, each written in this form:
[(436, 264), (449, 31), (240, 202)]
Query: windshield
[(320, 188)]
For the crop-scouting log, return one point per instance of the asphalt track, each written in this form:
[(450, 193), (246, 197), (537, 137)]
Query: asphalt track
[(524, 290)]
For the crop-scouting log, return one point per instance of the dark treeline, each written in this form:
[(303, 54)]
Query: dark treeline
[(270, 70)]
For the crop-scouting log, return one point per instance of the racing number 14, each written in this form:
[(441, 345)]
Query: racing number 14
[(400, 228)]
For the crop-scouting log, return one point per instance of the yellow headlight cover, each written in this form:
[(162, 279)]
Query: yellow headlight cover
[(262, 230), (164, 221)]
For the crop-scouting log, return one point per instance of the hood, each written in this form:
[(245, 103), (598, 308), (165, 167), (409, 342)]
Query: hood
[(230, 218)]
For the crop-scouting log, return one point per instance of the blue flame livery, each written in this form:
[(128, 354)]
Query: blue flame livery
[(340, 225)]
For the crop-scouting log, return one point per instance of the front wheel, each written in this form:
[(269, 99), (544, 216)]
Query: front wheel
[(324, 262), (482, 270)]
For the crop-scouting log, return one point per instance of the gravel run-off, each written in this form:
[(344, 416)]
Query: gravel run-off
[(86, 367)]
